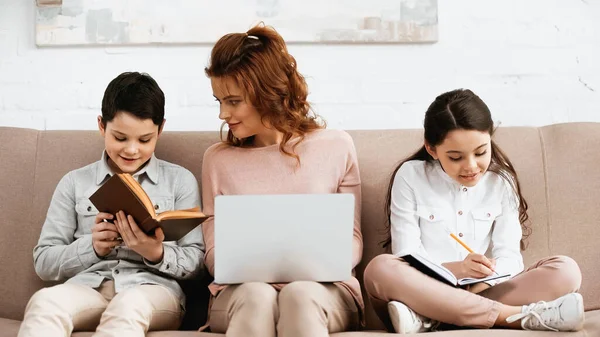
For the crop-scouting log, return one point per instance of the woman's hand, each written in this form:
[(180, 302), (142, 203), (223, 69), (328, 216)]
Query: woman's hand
[(474, 265), (104, 235), (150, 247)]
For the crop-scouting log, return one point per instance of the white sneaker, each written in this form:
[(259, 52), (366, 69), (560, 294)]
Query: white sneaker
[(406, 321), (563, 314)]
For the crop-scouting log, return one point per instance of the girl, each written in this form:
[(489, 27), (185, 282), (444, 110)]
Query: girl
[(275, 145), (461, 182)]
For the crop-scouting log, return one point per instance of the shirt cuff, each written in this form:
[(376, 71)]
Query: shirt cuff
[(168, 263), (85, 251)]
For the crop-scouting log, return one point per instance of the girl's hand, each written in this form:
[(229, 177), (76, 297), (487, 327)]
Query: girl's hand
[(474, 265), (104, 235), (149, 247), (477, 266)]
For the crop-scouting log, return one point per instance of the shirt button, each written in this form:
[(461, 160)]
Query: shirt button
[(156, 207), (116, 271), (431, 217), (460, 234), (89, 209), (459, 212), (464, 189)]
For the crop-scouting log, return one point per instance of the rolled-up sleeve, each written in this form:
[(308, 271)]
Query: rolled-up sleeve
[(184, 258)]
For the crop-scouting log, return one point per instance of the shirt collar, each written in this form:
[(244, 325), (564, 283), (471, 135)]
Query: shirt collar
[(444, 175), (150, 169)]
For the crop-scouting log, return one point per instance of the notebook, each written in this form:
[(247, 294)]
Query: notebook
[(283, 238), (442, 273)]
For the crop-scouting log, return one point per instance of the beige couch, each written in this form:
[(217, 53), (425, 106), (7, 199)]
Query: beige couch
[(559, 168)]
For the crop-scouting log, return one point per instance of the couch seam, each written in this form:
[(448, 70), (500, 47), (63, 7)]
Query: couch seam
[(35, 162), (546, 189)]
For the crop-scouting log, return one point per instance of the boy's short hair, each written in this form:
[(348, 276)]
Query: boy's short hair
[(135, 93)]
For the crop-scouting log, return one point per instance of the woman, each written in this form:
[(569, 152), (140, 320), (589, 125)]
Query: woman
[(275, 145)]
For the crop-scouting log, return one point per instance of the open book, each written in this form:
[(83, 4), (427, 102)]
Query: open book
[(442, 273), (123, 193)]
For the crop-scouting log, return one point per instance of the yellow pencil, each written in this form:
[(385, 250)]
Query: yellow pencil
[(465, 245), (462, 243)]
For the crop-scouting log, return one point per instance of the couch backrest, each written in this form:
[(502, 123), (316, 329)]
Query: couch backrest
[(556, 166), (18, 149)]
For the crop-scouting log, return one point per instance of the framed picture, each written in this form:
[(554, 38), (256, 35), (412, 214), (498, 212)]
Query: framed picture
[(133, 22)]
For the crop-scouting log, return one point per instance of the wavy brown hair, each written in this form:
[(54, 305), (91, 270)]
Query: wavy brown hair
[(462, 110), (258, 61)]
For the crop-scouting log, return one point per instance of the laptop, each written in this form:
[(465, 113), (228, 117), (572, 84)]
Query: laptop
[(283, 238)]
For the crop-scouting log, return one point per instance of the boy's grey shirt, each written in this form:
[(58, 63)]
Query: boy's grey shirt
[(64, 250)]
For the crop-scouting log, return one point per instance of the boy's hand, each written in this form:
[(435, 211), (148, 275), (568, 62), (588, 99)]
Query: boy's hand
[(104, 235), (150, 247)]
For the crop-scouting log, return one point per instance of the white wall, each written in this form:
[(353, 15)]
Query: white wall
[(534, 62)]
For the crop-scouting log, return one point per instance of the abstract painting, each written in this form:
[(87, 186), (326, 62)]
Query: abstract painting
[(132, 22)]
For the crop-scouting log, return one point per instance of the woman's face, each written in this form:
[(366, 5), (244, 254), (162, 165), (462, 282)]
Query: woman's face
[(242, 118)]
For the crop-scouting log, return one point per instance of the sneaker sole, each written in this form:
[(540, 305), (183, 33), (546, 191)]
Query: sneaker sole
[(396, 322), (394, 317), (581, 310)]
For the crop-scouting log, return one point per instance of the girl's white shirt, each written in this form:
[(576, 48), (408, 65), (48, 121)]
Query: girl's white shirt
[(427, 204)]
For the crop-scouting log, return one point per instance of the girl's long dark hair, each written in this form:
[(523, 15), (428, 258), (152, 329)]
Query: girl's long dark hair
[(454, 110)]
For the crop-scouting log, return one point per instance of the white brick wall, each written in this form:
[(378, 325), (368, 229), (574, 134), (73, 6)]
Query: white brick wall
[(534, 62)]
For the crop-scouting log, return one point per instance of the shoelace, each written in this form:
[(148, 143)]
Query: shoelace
[(432, 325), (426, 323), (534, 311)]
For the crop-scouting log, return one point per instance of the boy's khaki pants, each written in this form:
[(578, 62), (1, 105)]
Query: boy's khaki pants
[(62, 309), (301, 308)]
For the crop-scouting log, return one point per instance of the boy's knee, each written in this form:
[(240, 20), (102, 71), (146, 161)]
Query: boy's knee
[(130, 301), (47, 297)]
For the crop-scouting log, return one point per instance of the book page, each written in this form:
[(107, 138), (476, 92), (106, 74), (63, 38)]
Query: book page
[(438, 269), (469, 280), (181, 214), (139, 192)]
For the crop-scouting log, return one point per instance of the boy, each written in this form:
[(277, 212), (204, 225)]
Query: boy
[(119, 281)]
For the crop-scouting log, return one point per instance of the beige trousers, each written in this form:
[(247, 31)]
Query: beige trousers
[(301, 308), (389, 278), (62, 309)]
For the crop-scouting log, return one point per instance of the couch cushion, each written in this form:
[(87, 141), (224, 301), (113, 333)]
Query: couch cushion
[(9, 327), (572, 153), (17, 175)]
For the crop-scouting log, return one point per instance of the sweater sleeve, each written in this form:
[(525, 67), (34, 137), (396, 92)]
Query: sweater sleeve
[(209, 191), (350, 183)]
